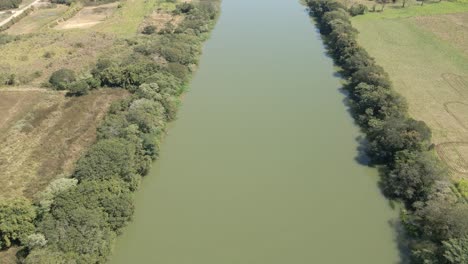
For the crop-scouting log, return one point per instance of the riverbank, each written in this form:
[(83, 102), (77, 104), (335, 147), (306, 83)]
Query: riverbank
[(260, 165), (435, 218), (78, 218)]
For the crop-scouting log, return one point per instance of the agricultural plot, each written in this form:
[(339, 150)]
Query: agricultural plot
[(89, 16), (37, 19), (427, 60), (43, 133)]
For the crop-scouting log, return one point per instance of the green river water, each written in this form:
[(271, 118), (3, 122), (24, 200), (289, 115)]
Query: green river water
[(260, 166)]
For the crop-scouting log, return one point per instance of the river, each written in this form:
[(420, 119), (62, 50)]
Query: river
[(260, 166)]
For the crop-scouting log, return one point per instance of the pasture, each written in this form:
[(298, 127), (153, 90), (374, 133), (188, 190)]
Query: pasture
[(424, 50)]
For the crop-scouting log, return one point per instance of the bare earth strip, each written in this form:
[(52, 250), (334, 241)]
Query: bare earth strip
[(43, 133), (89, 16)]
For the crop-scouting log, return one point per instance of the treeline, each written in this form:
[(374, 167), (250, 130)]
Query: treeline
[(77, 219), (9, 4), (436, 220)]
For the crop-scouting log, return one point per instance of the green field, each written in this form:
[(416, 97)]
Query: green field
[(423, 48)]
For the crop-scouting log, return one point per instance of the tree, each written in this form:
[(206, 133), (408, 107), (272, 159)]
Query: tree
[(16, 221), (62, 78), (440, 219), (148, 30), (383, 3), (78, 88), (373, 74), (148, 115), (46, 197), (35, 241), (108, 158), (412, 176), (374, 102), (358, 9), (456, 250), (395, 135)]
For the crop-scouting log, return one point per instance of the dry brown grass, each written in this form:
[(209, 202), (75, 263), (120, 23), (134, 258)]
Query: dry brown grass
[(73, 50), (449, 27), (43, 133), (9, 256)]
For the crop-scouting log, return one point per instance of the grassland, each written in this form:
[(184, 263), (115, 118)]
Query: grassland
[(43, 133), (424, 49)]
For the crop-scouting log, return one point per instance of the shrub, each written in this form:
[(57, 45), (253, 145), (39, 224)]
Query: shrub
[(107, 159), (184, 8), (456, 250), (78, 88), (62, 78), (148, 30), (16, 221), (462, 186), (358, 9), (35, 241), (178, 70), (148, 115)]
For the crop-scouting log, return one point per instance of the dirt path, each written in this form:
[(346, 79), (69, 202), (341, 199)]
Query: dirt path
[(17, 13)]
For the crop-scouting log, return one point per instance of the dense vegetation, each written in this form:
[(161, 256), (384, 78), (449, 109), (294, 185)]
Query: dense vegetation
[(76, 220), (9, 4), (435, 218)]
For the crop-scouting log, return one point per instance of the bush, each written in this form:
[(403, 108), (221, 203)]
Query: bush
[(16, 221), (107, 159), (148, 115), (178, 70), (78, 88), (148, 30), (456, 250), (358, 9), (61, 79)]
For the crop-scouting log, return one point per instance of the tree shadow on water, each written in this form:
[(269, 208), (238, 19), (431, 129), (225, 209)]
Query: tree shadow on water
[(401, 241)]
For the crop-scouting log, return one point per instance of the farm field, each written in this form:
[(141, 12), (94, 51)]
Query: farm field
[(424, 50), (89, 16), (43, 132), (37, 19)]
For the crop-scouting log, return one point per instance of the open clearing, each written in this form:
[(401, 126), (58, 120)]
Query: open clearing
[(34, 58), (43, 133), (426, 57), (89, 16)]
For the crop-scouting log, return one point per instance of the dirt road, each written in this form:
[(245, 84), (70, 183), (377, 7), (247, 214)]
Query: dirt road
[(18, 12)]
